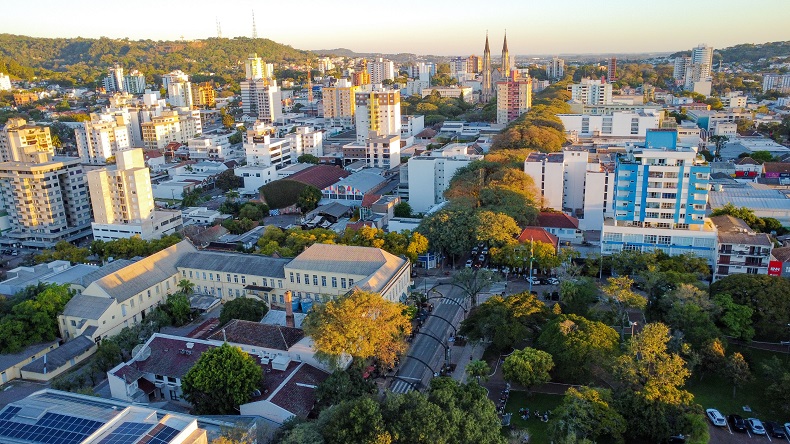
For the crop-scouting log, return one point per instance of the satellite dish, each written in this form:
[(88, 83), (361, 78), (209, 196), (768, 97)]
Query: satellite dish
[(141, 352)]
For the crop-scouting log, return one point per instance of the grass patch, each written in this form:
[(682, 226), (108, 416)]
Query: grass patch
[(715, 391), (538, 430), (282, 193)]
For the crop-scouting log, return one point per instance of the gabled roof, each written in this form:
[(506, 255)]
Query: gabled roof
[(320, 176), (776, 167), (110, 268), (342, 259), (781, 254), (11, 359), (747, 161), (166, 358), (557, 220), (87, 307), (61, 355), (369, 199), (732, 230), (143, 274), (261, 335), (538, 234), (297, 395), (251, 264)]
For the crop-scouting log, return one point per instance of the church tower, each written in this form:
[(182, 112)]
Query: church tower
[(487, 92), (506, 68)]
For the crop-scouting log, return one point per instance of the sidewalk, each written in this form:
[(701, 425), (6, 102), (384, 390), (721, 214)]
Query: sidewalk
[(475, 351)]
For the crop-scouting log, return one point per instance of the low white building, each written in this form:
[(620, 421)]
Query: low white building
[(464, 92), (203, 148), (256, 176), (634, 123)]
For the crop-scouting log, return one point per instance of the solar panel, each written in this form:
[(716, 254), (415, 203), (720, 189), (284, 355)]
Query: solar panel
[(9, 412), (73, 400), (52, 428), (126, 433), (161, 434)]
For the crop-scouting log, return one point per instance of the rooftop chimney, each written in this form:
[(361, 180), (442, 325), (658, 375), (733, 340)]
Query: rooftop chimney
[(289, 311)]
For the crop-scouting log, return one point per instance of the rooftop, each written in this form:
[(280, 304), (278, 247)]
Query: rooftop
[(781, 254), (343, 259), (61, 355), (8, 360), (732, 230), (557, 220), (538, 234), (320, 176), (363, 182), (261, 335), (543, 157), (250, 264)]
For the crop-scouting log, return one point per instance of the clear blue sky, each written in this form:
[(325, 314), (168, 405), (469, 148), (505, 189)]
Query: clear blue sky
[(439, 27)]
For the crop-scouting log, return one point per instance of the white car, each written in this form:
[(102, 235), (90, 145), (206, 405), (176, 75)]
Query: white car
[(716, 417), (755, 426), (787, 428), (469, 263), (553, 281)]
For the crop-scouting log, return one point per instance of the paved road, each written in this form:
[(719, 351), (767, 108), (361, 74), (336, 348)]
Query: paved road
[(425, 349)]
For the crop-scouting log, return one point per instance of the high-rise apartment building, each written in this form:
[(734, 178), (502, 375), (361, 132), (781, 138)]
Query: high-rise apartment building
[(779, 82), (179, 89), (383, 151), (260, 95), (5, 82), (171, 126), (377, 110), (263, 149), (123, 203), (102, 136), (380, 70), (459, 66), (430, 173), (661, 192), (306, 140), (703, 55), (339, 103), (46, 200), (134, 82), (555, 68), (513, 98), (20, 142), (694, 72), (114, 80), (474, 64), (591, 92), (611, 70), (203, 95)]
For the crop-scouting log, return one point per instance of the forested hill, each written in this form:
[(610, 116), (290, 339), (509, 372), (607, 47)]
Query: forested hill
[(82, 61), (749, 52)]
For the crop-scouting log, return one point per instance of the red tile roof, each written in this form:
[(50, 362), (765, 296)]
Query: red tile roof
[(166, 358), (369, 199), (150, 154), (261, 335), (557, 220), (538, 234), (776, 167), (298, 394), (320, 176)]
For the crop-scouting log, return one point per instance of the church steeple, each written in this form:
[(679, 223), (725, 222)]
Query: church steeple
[(486, 93), (505, 59)]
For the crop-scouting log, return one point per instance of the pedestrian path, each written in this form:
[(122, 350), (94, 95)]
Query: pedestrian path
[(469, 353)]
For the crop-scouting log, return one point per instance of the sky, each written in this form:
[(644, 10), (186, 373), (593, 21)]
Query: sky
[(437, 27)]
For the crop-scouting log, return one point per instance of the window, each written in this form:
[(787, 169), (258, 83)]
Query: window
[(298, 280), (664, 240), (228, 277), (204, 275), (219, 292), (315, 279), (292, 277), (236, 278), (323, 281), (263, 282), (334, 282), (244, 279), (279, 283), (190, 274), (343, 282), (211, 276), (350, 282)]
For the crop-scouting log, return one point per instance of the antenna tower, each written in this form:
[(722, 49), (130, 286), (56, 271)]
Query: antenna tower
[(309, 85), (219, 29), (254, 30)]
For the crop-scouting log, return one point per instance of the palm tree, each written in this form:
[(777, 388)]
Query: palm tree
[(186, 286), (478, 369)]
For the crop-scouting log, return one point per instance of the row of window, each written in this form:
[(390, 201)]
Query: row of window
[(343, 282)]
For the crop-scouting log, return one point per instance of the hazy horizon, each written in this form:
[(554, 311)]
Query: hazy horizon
[(424, 28)]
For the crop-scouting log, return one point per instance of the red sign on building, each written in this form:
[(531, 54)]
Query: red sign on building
[(775, 268)]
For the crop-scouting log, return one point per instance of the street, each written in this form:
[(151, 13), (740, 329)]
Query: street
[(425, 351)]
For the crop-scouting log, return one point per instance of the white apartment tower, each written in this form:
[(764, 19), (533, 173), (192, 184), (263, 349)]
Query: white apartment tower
[(20, 142), (555, 68), (779, 82), (5, 82), (380, 70), (114, 82), (179, 89), (377, 110), (339, 104), (262, 149), (171, 126), (123, 203), (103, 136), (134, 82), (383, 151), (306, 140), (591, 92), (429, 174)]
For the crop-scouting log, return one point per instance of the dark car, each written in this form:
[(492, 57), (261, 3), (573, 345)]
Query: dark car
[(737, 423), (677, 439), (774, 429)]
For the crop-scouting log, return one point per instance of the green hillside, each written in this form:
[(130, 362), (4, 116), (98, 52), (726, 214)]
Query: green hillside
[(82, 61)]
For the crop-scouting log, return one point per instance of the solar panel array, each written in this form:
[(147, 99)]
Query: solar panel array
[(161, 434), (52, 428), (126, 433)]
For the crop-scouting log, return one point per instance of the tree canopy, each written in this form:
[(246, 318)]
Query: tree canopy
[(361, 325), (504, 321), (222, 379), (247, 309), (528, 367), (578, 345), (586, 413), (767, 296)]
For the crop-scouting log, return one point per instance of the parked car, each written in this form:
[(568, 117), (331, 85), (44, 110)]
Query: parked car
[(787, 428), (474, 251), (755, 426), (469, 263), (716, 417), (774, 429), (677, 439), (737, 423), (481, 258), (485, 250), (553, 281)]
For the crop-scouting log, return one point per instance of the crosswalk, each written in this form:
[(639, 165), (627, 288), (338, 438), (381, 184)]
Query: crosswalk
[(401, 387)]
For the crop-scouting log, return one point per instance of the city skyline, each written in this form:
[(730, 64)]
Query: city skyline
[(427, 28)]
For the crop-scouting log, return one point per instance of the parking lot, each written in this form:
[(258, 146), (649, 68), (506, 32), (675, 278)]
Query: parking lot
[(725, 435)]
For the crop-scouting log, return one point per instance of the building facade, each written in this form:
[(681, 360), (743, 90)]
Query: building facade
[(102, 136), (513, 98), (591, 92), (339, 103), (380, 70), (740, 249), (618, 124), (383, 151), (377, 110), (429, 174)]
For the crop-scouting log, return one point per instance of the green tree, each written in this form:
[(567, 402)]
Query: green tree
[(308, 199), (737, 371), (403, 209), (108, 355), (528, 367), (578, 294), (342, 385), (503, 323), (253, 211), (186, 287), (178, 308), (587, 413), (222, 379), (473, 282), (64, 251), (758, 292), (228, 180), (357, 420), (736, 319), (449, 231), (650, 383), (361, 324), (308, 158), (478, 369), (247, 309), (578, 345), (228, 121), (779, 393)]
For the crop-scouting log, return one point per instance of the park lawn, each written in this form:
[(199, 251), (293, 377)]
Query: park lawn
[(716, 392), (538, 430)]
